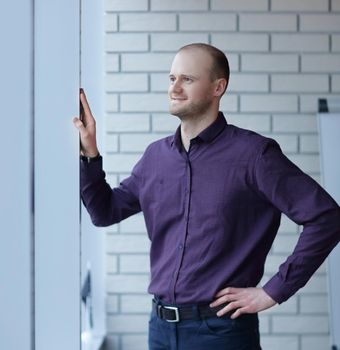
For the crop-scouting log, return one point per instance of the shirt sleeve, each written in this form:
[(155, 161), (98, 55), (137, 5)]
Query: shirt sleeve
[(106, 205), (305, 202)]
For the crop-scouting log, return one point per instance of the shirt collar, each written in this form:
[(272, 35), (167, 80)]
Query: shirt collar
[(207, 135)]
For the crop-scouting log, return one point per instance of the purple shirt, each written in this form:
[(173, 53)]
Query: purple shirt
[(212, 213)]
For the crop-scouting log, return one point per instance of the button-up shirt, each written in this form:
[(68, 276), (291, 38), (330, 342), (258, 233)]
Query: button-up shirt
[(213, 212)]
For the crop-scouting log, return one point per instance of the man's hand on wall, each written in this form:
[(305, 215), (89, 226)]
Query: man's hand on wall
[(86, 125)]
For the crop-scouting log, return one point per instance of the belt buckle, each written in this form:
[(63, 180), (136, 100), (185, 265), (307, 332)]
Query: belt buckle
[(174, 308)]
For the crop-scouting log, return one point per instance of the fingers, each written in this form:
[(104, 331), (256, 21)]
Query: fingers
[(229, 290), (87, 115), (78, 124), (225, 295)]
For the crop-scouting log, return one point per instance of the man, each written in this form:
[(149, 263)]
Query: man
[(212, 197)]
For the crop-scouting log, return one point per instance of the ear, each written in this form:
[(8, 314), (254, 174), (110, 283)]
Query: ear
[(220, 87)]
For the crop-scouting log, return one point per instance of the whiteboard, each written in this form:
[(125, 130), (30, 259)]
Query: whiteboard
[(329, 129)]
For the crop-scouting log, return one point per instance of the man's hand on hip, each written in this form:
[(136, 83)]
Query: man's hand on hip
[(242, 300)]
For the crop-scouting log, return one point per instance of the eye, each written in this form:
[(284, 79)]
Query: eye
[(172, 79), (187, 79)]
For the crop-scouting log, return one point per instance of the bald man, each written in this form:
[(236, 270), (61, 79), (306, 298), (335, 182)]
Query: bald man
[(212, 196)]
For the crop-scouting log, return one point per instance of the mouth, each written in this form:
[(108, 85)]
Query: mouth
[(177, 98)]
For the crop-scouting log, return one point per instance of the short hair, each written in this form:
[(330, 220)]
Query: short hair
[(220, 67)]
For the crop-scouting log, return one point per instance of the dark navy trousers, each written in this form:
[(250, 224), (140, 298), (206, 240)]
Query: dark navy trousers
[(216, 333)]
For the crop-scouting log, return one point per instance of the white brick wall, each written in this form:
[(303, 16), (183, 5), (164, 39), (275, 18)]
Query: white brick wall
[(283, 55)]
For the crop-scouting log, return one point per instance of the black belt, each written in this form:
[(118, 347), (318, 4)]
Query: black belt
[(179, 313)]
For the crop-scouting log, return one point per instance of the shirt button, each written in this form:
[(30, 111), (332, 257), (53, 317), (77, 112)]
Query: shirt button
[(180, 246)]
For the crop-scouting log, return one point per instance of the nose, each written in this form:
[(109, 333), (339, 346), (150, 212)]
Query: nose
[(175, 86)]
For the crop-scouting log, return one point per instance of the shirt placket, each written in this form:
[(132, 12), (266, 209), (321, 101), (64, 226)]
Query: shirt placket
[(182, 242)]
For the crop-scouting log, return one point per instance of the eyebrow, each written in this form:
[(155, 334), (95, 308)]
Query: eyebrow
[(184, 75)]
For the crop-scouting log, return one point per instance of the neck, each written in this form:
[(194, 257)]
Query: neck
[(193, 126)]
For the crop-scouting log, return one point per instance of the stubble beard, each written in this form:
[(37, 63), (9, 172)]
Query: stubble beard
[(191, 111)]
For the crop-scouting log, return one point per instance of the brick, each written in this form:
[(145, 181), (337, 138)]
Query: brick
[(269, 63), (207, 22), (279, 342), (300, 324), (159, 82), (142, 22), (240, 82), (133, 263), (172, 42), (153, 102), (255, 122), (301, 5), (111, 22), (126, 82), (264, 323), (111, 230), (147, 62), (335, 5), (111, 143), (300, 83), (273, 262), (295, 123), (287, 225), (309, 103), (241, 42), (127, 323), (112, 303), (111, 62), (317, 284), (111, 264), (229, 103), (288, 307), (319, 23), (239, 5), (127, 244), (309, 143), (284, 244), (127, 122), (267, 22), (133, 224), (126, 42), (335, 83), (299, 42), (336, 42), (307, 162), (312, 304), (321, 63), (162, 122), (120, 162), (126, 5), (111, 103), (179, 5), (131, 303), (139, 342), (315, 342), (112, 180), (233, 60), (288, 143), (269, 103), (127, 283), (138, 142)]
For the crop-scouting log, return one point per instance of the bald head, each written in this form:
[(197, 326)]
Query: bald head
[(219, 66)]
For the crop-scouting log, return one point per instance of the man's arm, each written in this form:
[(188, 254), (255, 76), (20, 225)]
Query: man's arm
[(105, 205), (305, 202)]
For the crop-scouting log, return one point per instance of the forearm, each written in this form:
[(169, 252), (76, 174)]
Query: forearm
[(316, 241), (105, 205)]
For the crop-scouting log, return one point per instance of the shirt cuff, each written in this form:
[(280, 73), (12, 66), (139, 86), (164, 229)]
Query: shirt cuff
[(277, 290)]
